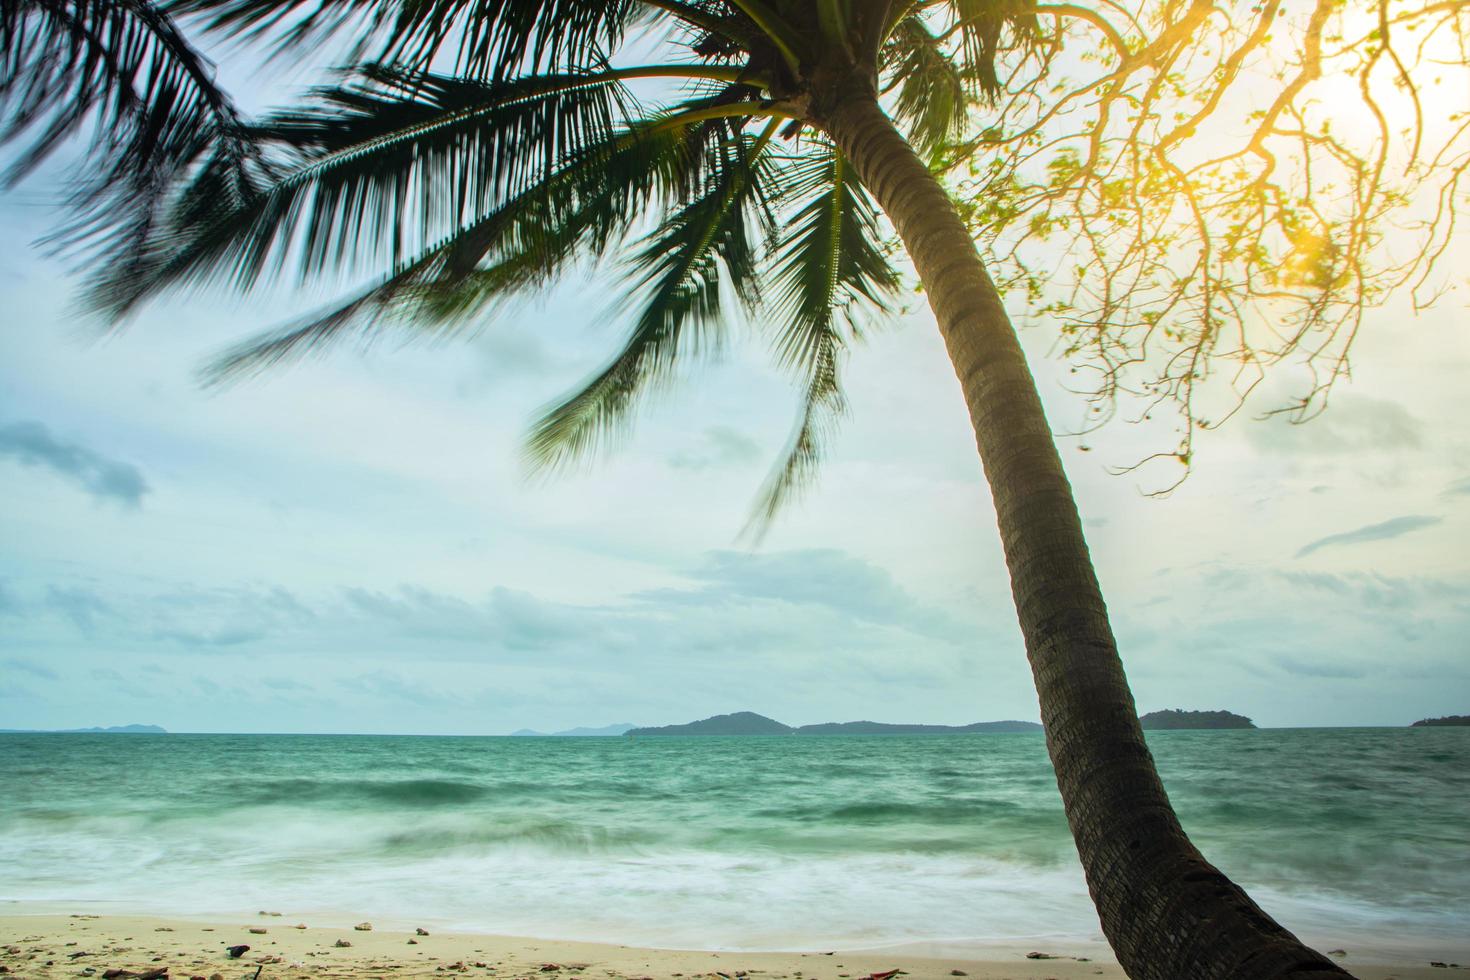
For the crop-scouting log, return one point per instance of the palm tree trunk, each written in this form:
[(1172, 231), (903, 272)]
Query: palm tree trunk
[(1168, 913)]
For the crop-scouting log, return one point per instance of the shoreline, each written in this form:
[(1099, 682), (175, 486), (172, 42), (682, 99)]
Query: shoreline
[(51, 945)]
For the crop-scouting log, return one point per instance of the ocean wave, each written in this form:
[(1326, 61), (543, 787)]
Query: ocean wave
[(369, 792), (753, 843), (553, 836)]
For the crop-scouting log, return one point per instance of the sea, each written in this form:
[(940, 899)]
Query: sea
[(1353, 838)]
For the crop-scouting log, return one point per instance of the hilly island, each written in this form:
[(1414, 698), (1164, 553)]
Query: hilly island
[(750, 723)]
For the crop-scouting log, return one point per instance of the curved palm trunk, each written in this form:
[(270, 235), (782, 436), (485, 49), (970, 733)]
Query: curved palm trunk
[(1168, 913)]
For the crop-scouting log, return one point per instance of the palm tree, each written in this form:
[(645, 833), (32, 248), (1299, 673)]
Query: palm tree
[(758, 182)]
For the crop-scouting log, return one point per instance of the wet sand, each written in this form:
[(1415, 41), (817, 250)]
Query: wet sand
[(55, 946)]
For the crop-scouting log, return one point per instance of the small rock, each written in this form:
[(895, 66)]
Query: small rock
[(216, 976), (157, 973), (958, 973), (364, 927), (1337, 952), (164, 929), (235, 952), (257, 931), (550, 967), (1041, 956), (421, 932), (341, 944), (299, 925), (413, 942)]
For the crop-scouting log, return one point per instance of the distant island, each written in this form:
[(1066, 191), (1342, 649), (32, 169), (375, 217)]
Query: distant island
[(1448, 721), (114, 730), (740, 723), (883, 728), (617, 729), (1176, 720), (750, 723)]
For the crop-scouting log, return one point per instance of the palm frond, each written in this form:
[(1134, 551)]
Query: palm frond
[(986, 28), (681, 269), (122, 70), (491, 39), (519, 246), (377, 168), (829, 276), (931, 98)]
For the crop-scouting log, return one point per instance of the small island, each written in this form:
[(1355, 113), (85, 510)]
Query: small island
[(1448, 721), (114, 730), (620, 728), (1176, 720)]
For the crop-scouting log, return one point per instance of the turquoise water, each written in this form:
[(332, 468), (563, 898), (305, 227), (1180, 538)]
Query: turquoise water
[(1350, 836)]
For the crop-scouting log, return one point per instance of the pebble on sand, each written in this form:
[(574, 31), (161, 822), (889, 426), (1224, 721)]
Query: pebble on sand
[(364, 927)]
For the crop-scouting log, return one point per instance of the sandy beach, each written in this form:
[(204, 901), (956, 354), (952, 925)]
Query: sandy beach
[(47, 946)]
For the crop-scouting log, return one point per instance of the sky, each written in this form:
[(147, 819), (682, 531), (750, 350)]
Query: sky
[(352, 544)]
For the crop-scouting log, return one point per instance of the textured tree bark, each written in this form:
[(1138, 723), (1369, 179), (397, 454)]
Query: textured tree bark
[(1168, 913)]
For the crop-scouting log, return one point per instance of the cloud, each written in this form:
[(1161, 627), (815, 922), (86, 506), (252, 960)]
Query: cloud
[(1392, 528), (31, 667), (1353, 424), (116, 682), (1326, 671), (1460, 488), (819, 576), (285, 684), (81, 606), (32, 444), (720, 445), (1372, 590), (392, 686), (227, 637)]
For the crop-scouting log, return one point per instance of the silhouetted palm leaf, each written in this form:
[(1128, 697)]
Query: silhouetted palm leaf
[(829, 275), (122, 70), (456, 192)]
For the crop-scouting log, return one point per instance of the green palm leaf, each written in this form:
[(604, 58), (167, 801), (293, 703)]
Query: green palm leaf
[(122, 70), (829, 275), (930, 90), (519, 246), (680, 269), (490, 39), (464, 191), (376, 167)]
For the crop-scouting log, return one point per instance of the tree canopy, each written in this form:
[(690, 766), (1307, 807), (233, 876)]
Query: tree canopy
[(1233, 188)]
